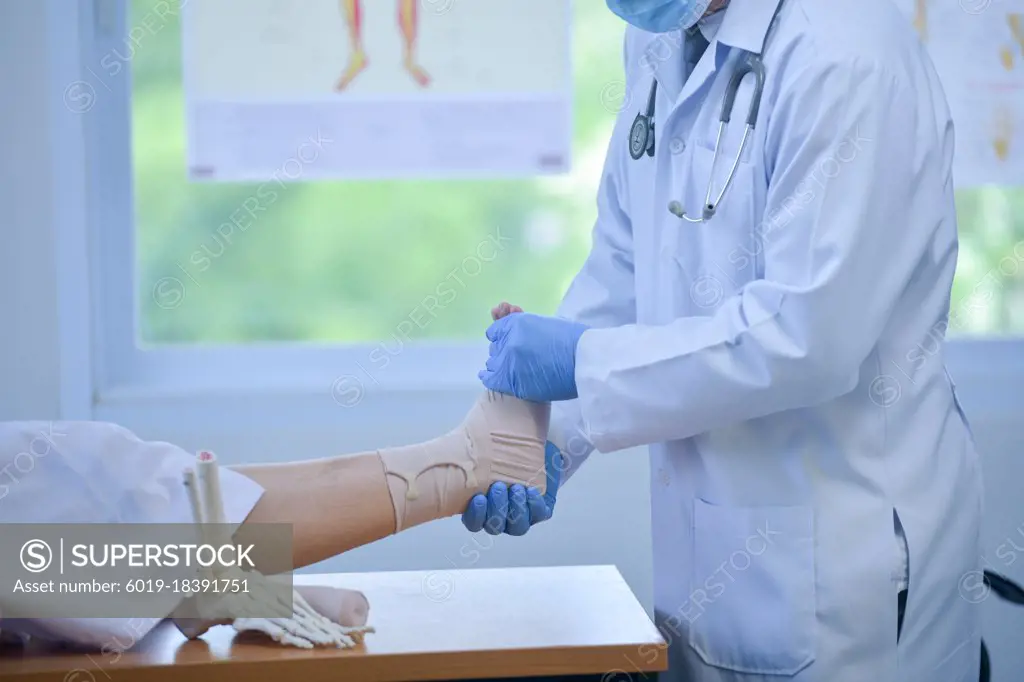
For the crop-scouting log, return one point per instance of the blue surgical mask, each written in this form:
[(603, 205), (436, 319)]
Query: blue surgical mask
[(659, 16)]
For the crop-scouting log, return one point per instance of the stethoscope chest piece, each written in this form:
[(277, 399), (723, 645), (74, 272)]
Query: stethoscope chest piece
[(641, 134), (641, 137)]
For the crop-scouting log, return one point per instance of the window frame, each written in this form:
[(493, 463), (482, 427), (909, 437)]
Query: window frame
[(123, 369), (118, 373)]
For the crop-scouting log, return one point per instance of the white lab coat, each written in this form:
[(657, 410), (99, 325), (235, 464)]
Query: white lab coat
[(785, 359), (94, 472)]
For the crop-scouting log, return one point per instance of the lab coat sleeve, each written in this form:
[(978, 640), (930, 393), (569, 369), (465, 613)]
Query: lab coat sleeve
[(602, 294), (843, 163), (94, 472)]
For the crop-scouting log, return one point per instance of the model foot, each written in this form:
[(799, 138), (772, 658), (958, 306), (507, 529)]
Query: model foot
[(347, 608)]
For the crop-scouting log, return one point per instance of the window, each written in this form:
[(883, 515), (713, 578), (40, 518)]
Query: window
[(988, 292), (348, 265), (350, 262)]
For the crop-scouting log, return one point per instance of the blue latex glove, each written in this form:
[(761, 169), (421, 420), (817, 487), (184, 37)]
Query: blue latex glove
[(533, 357), (513, 511)]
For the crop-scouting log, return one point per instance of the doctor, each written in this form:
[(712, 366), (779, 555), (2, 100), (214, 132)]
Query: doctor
[(764, 306)]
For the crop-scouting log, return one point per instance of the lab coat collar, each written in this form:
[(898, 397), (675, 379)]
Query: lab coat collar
[(662, 56), (746, 22), (707, 67), (709, 26)]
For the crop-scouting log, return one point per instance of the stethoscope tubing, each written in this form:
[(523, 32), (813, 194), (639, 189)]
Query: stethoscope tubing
[(642, 134)]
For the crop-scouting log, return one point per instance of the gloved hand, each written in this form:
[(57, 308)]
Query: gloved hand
[(513, 511), (533, 357)]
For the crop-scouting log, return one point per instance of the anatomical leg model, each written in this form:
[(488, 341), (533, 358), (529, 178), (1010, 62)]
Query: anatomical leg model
[(339, 503), (305, 628), (408, 24), (336, 504)]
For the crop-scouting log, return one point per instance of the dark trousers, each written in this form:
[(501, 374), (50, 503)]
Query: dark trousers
[(901, 607)]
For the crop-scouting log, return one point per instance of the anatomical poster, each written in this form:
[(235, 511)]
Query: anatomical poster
[(978, 50), (293, 90)]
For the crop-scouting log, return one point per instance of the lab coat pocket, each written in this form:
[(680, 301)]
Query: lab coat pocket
[(752, 594)]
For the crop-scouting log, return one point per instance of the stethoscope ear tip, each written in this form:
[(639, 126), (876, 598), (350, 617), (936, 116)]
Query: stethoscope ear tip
[(676, 209)]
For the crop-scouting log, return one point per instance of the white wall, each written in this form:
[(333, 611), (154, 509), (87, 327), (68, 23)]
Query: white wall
[(29, 369), (603, 515)]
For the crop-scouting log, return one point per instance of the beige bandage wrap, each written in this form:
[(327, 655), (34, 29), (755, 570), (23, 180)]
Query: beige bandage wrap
[(501, 439)]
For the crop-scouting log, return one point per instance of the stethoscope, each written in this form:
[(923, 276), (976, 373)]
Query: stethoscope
[(641, 134)]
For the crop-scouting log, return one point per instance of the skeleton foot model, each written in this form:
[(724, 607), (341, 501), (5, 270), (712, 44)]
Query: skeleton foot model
[(306, 627), (501, 439)]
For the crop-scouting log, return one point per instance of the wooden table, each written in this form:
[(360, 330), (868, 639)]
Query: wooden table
[(431, 625)]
